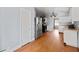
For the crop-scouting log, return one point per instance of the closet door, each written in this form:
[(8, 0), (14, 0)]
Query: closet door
[(27, 28), (10, 29), (32, 16)]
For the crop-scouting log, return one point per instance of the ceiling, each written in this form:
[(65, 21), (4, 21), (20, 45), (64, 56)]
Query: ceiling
[(48, 11)]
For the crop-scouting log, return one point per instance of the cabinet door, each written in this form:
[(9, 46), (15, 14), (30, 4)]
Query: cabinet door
[(78, 40), (70, 37), (75, 13)]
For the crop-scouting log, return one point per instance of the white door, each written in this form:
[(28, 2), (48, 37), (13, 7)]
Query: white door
[(27, 25)]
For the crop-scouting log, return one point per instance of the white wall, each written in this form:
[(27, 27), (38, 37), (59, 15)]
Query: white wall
[(10, 34), (16, 27), (75, 13)]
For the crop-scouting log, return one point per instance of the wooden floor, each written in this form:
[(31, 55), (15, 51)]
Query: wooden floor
[(48, 42)]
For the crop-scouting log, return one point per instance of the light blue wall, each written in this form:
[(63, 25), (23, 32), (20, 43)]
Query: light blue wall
[(16, 27)]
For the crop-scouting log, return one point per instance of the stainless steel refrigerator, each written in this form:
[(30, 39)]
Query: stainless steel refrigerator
[(38, 27)]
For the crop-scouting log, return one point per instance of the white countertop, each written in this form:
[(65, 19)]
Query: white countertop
[(73, 29)]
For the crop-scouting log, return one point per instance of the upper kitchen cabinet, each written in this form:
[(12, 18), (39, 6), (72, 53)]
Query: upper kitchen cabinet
[(75, 13)]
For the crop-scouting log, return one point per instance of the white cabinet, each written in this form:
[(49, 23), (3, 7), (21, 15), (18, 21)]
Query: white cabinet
[(75, 13), (64, 22), (71, 37)]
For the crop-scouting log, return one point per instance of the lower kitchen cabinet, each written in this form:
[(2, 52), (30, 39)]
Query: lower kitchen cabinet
[(71, 37)]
